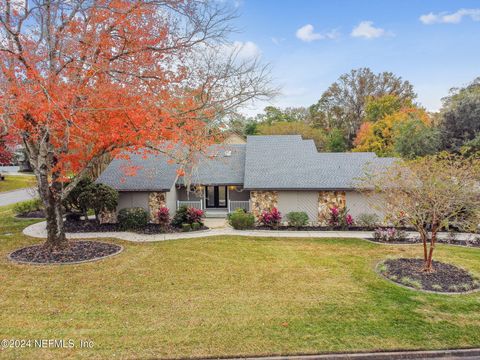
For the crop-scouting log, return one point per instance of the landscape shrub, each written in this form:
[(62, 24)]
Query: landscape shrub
[(163, 217), (297, 218), (132, 218), (196, 226), (340, 218), (389, 234), (186, 227), (180, 217), (195, 215), (71, 202), (240, 219), (28, 206), (368, 220), (186, 215), (98, 197), (270, 218)]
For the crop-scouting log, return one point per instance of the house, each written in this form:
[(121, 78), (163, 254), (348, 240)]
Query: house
[(282, 171)]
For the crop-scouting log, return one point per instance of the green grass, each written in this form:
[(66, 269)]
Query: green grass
[(229, 296), (14, 182)]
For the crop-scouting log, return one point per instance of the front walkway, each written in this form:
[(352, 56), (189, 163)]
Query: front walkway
[(38, 230)]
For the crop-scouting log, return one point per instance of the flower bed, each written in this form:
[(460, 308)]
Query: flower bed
[(79, 226), (319, 228)]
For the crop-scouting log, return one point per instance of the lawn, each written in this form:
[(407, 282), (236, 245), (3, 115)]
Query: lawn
[(229, 296), (14, 182)]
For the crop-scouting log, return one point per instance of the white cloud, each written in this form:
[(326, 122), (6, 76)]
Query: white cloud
[(307, 33), (366, 30), (244, 50), (450, 18)]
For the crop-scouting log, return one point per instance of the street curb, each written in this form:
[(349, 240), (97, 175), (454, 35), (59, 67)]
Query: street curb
[(391, 355)]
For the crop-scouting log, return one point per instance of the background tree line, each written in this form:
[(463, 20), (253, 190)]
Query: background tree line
[(364, 111)]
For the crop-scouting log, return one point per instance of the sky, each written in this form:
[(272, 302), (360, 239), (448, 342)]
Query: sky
[(434, 44)]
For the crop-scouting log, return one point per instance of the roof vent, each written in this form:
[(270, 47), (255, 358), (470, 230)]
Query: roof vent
[(228, 153)]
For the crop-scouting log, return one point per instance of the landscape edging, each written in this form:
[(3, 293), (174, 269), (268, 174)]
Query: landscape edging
[(421, 290), (20, 262)]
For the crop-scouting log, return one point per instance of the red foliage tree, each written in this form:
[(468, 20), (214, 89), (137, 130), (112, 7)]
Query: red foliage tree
[(85, 78), (6, 155)]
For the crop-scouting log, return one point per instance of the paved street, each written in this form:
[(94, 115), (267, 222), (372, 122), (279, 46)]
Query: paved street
[(11, 197)]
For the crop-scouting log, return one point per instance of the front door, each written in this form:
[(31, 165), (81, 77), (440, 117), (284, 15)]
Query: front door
[(216, 196)]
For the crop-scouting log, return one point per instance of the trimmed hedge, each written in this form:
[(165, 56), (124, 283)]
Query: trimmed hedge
[(132, 218), (28, 206), (297, 218), (240, 220)]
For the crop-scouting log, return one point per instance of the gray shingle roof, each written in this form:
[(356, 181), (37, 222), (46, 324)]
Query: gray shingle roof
[(156, 173), (221, 169), (288, 162), (266, 162)]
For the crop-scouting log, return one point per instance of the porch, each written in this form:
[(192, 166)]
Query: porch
[(216, 201)]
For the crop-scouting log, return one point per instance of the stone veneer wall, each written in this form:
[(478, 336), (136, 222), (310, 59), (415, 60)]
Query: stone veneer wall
[(263, 200), (328, 200), (156, 201)]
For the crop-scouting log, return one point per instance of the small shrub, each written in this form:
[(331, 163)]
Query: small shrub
[(163, 217), (132, 218), (437, 287), (71, 202), (195, 216), (186, 227), (180, 217), (98, 197), (28, 206), (186, 215), (196, 226), (368, 220), (297, 218), (389, 234), (240, 220), (340, 218), (465, 287), (270, 218)]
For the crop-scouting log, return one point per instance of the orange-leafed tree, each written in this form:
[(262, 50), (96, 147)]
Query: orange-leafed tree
[(85, 78), (380, 136), (6, 155)]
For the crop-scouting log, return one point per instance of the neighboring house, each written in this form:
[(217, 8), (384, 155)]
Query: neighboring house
[(282, 171)]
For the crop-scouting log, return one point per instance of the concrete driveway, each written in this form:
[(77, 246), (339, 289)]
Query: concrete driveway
[(11, 197)]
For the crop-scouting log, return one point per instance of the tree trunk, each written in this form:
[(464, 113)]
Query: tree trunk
[(433, 240), (51, 198), (55, 230), (423, 236)]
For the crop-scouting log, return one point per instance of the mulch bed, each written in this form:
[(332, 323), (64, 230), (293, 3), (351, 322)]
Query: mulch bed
[(77, 251), (80, 226), (320, 228), (445, 277), (39, 214)]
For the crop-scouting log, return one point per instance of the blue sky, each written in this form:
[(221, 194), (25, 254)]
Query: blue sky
[(432, 43)]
